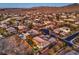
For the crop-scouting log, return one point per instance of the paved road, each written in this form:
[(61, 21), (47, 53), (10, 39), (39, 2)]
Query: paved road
[(5, 20), (67, 40), (8, 19)]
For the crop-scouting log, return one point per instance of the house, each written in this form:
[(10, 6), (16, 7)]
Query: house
[(33, 32), (11, 30), (47, 22), (1, 36), (41, 43), (21, 28), (77, 23), (3, 25), (52, 40), (65, 29), (63, 16), (69, 20), (62, 31)]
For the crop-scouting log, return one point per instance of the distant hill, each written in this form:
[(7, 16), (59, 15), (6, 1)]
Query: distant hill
[(74, 4)]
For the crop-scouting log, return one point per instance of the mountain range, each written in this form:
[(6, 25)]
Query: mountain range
[(68, 8)]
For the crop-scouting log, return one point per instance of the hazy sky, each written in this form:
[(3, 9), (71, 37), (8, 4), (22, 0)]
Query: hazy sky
[(29, 5)]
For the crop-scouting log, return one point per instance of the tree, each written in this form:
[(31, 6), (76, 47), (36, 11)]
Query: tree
[(30, 25), (12, 21), (3, 31)]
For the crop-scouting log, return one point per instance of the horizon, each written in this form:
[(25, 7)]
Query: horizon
[(30, 5)]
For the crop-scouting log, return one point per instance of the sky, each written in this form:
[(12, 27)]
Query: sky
[(29, 5)]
